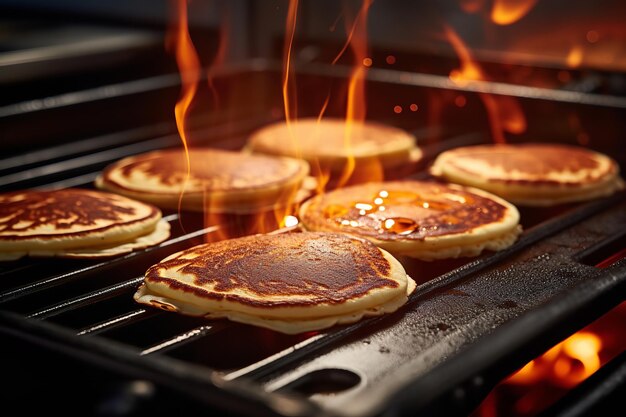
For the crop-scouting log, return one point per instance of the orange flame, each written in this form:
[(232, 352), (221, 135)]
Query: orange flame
[(545, 379), (189, 67), (290, 32), (219, 58), (190, 71), (356, 103), (505, 113), (356, 39), (506, 12), (566, 364)]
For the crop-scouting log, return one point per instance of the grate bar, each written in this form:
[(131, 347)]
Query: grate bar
[(91, 145), (118, 321), (89, 298), (47, 283), (181, 339), (81, 180), (84, 161), (17, 269), (264, 362)]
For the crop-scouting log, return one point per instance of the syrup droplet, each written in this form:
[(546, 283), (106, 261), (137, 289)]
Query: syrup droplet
[(400, 225)]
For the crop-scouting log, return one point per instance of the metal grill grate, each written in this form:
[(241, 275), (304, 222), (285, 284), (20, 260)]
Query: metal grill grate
[(469, 323)]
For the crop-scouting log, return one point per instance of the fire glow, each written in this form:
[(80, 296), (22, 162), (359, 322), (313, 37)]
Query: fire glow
[(566, 364), (505, 113), (545, 379), (506, 12), (189, 68), (356, 108), (356, 105)]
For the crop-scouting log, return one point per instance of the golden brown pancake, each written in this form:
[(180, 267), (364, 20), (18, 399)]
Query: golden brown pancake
[(425, 220), (532, 174), (289, 282), (76, 223), (328, 145), (219, 181)]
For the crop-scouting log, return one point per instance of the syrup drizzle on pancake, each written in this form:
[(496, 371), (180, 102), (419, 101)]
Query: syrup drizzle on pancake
[(392, 214)]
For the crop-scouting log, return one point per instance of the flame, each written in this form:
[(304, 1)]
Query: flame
[(585, 348), (189, 68), (356, 104), (566, 364), (230, 225), (288, 90), (219, 58), (505, 113), (545, 379), (506, 12), (356, 40)]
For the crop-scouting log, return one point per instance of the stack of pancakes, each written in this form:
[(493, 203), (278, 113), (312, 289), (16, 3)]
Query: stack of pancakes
[(289, 282), (363, 151), (76, 223), (532, 174)]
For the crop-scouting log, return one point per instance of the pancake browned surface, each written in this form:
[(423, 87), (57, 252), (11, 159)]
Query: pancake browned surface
[(219, 181), (330, 143), (76, 223), (289, 282), (424, 220), (532, 174)]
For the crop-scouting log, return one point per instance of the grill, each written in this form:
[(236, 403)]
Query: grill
[(469, 324)]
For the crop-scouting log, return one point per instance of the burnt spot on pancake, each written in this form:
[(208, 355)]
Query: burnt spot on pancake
[(210, 169), (60, 211), (404, 210), (305, 268), (533, 163)]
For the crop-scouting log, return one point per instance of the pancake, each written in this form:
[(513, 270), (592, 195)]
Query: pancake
[(220, 181), (374, 147), (76, 223), (532, 174), (424, 220), (289, 282)]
